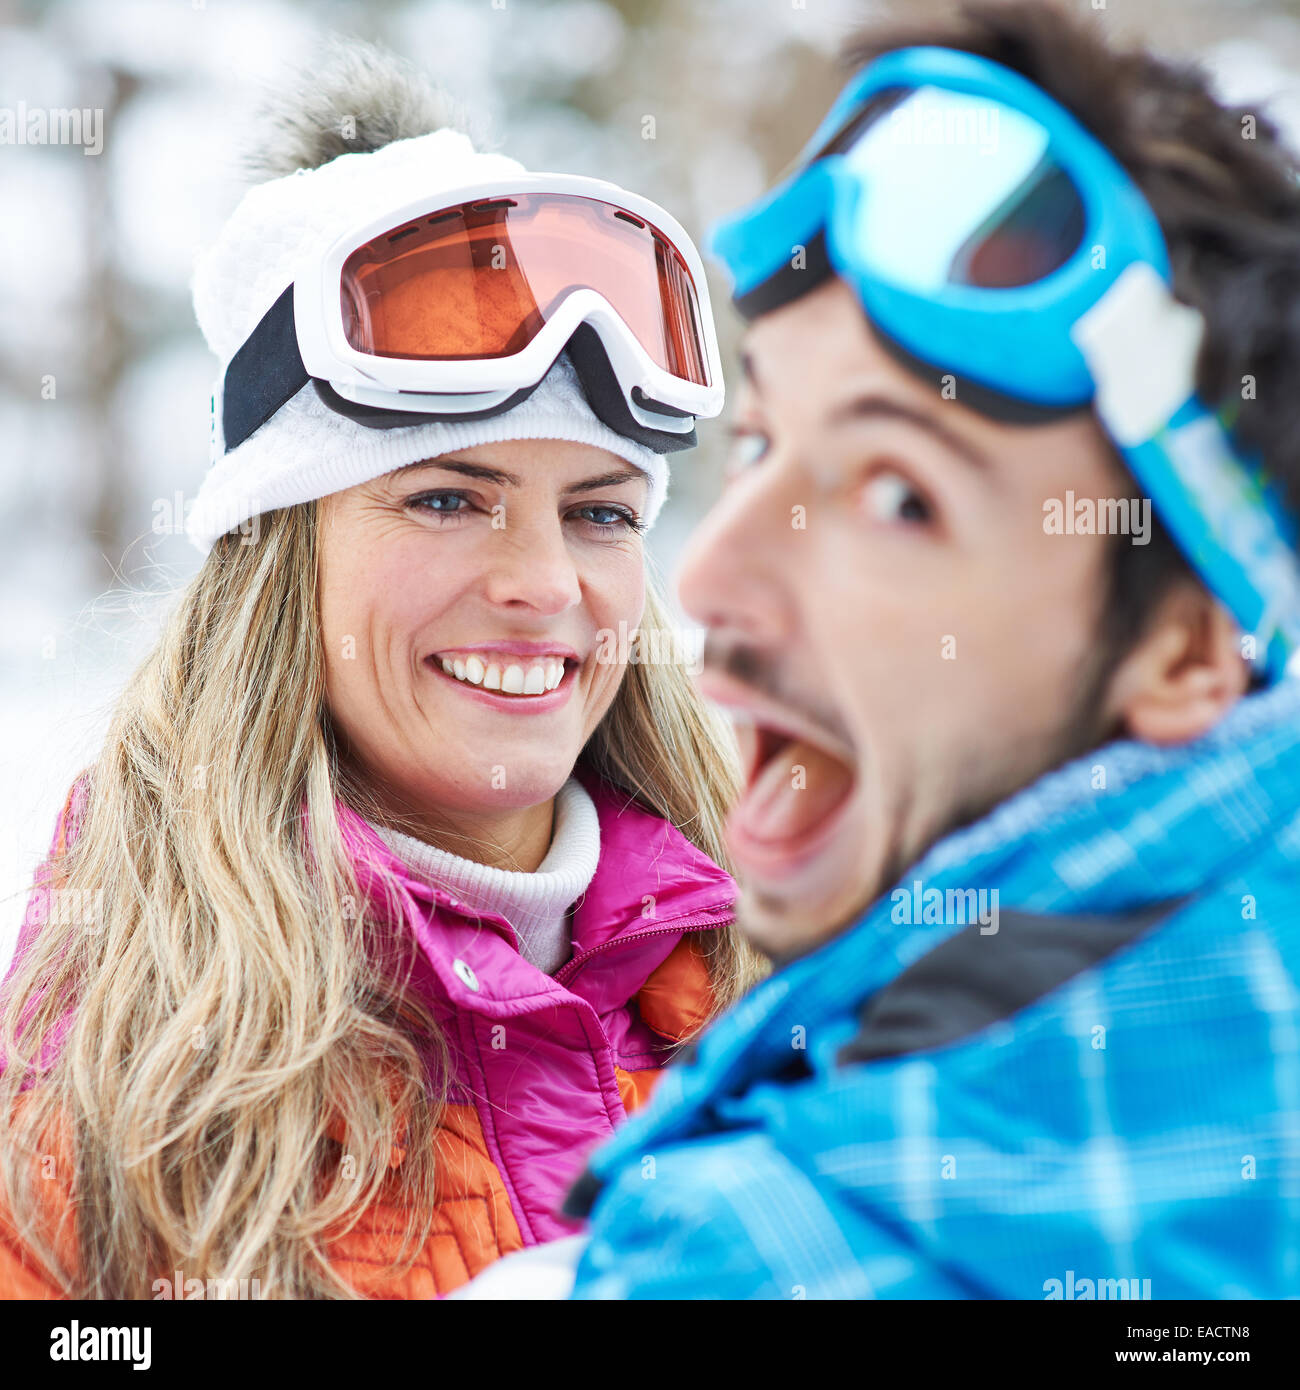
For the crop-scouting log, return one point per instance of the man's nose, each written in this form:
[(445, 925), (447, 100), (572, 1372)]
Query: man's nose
[(738, 570)]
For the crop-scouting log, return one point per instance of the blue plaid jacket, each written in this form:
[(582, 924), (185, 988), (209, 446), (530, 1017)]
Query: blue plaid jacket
[(1092, 1092)]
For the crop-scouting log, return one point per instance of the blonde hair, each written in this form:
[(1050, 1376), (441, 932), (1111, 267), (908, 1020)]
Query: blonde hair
[(227, 1010)]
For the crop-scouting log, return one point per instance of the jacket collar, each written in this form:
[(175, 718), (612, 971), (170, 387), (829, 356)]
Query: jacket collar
[(649, 875), (651, 885)]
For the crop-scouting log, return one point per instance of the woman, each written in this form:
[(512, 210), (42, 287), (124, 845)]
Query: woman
[(395, 883)]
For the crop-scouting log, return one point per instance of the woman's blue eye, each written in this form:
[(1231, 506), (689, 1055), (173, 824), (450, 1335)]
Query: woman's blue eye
[(449, 504), (610, 516), (437, 502)]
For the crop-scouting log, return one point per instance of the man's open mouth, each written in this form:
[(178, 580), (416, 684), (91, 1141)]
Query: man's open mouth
[(793, 786), (799, 782)]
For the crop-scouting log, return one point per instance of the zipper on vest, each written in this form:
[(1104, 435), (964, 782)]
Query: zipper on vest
[(699, 921)]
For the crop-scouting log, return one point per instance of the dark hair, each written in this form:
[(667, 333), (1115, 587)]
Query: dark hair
[(1227, 194)]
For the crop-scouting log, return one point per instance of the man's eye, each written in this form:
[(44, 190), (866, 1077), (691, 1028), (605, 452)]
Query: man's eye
[(747, 449), (889, 497)]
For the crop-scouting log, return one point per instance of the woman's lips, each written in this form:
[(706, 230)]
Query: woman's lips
[(516, 647), (510, 703), (495, 670)]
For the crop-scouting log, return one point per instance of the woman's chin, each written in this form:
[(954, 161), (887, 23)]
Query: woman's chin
[(500, 786)]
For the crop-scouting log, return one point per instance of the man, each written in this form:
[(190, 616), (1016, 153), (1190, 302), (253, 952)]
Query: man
[(1022, 818)]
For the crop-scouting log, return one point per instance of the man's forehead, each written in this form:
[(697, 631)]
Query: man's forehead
[(823, 342), (828, 314), (817, 364)]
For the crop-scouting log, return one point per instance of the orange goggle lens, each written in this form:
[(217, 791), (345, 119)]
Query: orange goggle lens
[(480, 280)]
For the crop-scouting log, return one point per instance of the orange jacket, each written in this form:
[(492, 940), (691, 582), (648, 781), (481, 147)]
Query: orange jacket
[(543, 1067)]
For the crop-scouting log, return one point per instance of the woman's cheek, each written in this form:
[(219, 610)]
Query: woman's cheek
[(619, 617), (633, 589)]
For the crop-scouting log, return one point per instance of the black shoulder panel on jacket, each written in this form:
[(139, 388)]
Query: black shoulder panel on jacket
[(581, 1197), (974, 979)]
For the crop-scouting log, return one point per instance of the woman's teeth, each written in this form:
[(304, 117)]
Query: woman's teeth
[(510, 678)]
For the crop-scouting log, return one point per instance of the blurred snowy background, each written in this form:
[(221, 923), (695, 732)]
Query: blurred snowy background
[(104, 378)]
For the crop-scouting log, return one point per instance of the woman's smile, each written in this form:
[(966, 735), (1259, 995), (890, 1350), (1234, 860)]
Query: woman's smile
[(511, 676)]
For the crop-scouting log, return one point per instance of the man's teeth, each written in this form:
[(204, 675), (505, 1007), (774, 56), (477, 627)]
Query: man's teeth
[(511, 678)]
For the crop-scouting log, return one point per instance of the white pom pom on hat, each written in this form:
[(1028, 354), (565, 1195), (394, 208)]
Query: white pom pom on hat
[(306, 450)]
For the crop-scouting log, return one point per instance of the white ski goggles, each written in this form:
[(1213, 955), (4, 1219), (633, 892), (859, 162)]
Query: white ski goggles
[(454, 305)]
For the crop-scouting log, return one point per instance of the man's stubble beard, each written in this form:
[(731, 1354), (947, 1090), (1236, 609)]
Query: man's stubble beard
[(1084, 729)]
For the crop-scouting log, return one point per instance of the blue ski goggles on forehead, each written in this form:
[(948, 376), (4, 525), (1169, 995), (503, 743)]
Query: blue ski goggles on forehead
[(990, 237)]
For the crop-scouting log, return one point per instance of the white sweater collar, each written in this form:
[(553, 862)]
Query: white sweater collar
[(535, 904)]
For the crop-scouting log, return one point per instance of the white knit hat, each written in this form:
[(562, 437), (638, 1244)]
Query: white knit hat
[(306, 450)]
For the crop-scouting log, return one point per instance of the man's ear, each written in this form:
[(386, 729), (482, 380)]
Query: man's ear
[(1185, 672)]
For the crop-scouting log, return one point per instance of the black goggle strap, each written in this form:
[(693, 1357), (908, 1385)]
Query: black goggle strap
[(265, 373), (268, 370), (796, 277)]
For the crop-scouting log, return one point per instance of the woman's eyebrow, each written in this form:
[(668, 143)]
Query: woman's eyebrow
[(626, 475), (469, 470)]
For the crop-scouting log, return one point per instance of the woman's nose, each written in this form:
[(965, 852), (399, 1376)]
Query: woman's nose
[(532, 566)]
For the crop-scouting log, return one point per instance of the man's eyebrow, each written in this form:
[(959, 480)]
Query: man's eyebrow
[(872, 404), (469, 470), (625, 475), (865, 407)]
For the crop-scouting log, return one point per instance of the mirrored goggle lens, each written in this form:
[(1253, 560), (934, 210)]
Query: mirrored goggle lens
[(957, 190), (480, 280)]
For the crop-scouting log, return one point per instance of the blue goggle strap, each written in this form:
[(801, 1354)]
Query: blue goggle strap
[(1141, 345)]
